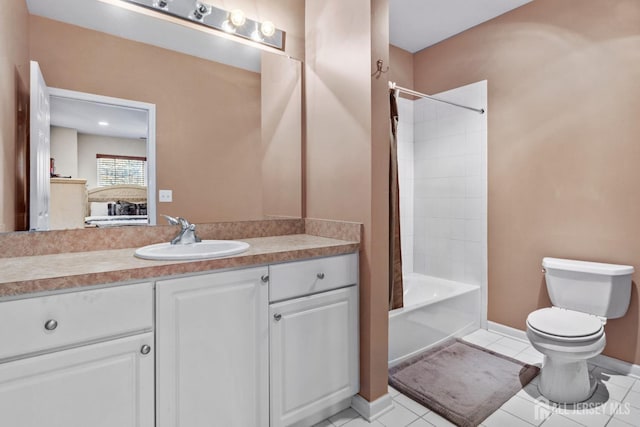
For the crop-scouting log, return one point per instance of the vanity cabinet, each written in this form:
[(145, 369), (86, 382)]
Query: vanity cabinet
[(78, 359), (314, 339), (213, 350)]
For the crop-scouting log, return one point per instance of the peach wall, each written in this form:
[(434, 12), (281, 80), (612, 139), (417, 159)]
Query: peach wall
[(14, 78), (563, 148), (401, 66), (208, 114), (345, 159)]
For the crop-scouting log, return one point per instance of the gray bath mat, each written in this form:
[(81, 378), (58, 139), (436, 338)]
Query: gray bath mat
[(460, 381)]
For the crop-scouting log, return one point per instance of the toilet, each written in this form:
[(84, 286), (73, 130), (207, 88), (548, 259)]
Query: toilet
[(584, 295)]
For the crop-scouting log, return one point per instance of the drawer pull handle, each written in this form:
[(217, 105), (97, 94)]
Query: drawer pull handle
[(50, 325), (277, 316), (265, 278), (320, 276), (145, 349)]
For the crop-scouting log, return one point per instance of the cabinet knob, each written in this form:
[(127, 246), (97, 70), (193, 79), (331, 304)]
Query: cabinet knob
[(50, 325), (145, 349), (265, 278), (277, 316), (320, 276)]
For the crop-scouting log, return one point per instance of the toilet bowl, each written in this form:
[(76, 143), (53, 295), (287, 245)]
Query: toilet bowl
[(584, 295), (567, 339)]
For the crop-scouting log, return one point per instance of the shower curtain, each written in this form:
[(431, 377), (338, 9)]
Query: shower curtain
[(395, 256)]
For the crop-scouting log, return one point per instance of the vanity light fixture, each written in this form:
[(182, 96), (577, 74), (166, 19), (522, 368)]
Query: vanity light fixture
[(205, 12)]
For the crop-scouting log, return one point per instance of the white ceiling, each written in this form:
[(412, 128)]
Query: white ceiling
[(417, 24), (84, 116)]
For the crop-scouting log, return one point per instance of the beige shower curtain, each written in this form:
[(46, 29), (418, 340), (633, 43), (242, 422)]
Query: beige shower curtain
[(395, 255)]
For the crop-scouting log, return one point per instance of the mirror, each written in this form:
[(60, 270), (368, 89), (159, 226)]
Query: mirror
[(228, 139), (102, 161)]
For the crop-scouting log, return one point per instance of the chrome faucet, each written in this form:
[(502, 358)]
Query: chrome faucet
[(187, 233)]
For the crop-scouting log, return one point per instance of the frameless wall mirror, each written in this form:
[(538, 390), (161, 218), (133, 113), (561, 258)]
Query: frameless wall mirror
[(228, 139)]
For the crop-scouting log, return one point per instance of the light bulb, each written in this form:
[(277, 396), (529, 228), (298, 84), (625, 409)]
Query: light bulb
[(237, 17), (255, 36), (227, 27), (267, 28)]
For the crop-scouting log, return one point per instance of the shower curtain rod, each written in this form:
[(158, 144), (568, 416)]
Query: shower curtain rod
[(393, 86)]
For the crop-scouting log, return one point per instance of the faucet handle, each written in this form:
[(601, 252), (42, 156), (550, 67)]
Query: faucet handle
[(172, 220), (184, 223)]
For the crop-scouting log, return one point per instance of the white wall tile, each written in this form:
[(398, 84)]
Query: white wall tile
[(473, 165), (448, 180)]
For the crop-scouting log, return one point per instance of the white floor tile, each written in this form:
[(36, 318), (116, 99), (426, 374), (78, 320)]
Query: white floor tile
[(482, 337), (344, 417), (632, 398), (411, 405), (556, 420), (614, 422), (636, 386), (530, 356), (399, 416), (527, 410), (590, 414), (612, 391), (498, 348), (610, 377), (325, 423), (628, 414), (502, 419), (438, 421), (514, 344), (392, 391), (361, 422), (420, 423)]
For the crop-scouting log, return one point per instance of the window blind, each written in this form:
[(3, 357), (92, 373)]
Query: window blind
[(115, 169)]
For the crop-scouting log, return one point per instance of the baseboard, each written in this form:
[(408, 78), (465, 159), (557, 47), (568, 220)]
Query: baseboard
[(372, 410), (617, 365), (600, 360), (323, 414), (507, 331)]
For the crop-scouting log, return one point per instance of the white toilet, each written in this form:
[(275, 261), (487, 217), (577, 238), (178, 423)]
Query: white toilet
[(584, 295)]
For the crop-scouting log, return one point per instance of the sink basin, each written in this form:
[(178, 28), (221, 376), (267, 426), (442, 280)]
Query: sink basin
[(202, 250)]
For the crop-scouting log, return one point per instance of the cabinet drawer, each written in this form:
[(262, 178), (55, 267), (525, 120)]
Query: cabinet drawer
[(78, 317), (294, 279)]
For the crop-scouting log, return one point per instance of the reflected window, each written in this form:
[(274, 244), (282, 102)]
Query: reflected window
[(116, 170)]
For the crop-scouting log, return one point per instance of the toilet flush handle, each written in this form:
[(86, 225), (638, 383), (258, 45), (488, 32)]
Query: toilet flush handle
[(544, 270)]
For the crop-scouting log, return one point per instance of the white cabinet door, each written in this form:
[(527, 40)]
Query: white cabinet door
[(100, 385), (212, 334), (314, 354)]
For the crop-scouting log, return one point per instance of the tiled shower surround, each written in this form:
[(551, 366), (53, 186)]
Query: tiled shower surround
[(442, 152)]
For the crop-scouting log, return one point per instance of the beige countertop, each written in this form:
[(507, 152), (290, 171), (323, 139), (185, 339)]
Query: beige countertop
[(43, 273)]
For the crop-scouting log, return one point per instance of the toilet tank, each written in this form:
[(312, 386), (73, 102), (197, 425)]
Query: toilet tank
[(589, 287)]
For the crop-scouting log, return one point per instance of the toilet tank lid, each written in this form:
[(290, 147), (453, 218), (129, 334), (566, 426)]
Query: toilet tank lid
[(587, 266)]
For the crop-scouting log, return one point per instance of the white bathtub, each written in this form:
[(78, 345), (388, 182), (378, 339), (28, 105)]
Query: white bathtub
[(434, 310)]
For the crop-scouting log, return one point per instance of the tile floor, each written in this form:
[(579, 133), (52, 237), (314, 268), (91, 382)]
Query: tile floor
[(616, 402)]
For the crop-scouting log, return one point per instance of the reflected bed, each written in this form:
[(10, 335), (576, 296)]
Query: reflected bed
[(104, 206)]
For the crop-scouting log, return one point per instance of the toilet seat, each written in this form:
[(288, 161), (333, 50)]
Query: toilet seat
[(565, 325)]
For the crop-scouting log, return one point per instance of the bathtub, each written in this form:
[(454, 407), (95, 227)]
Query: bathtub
[(434, 310)]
